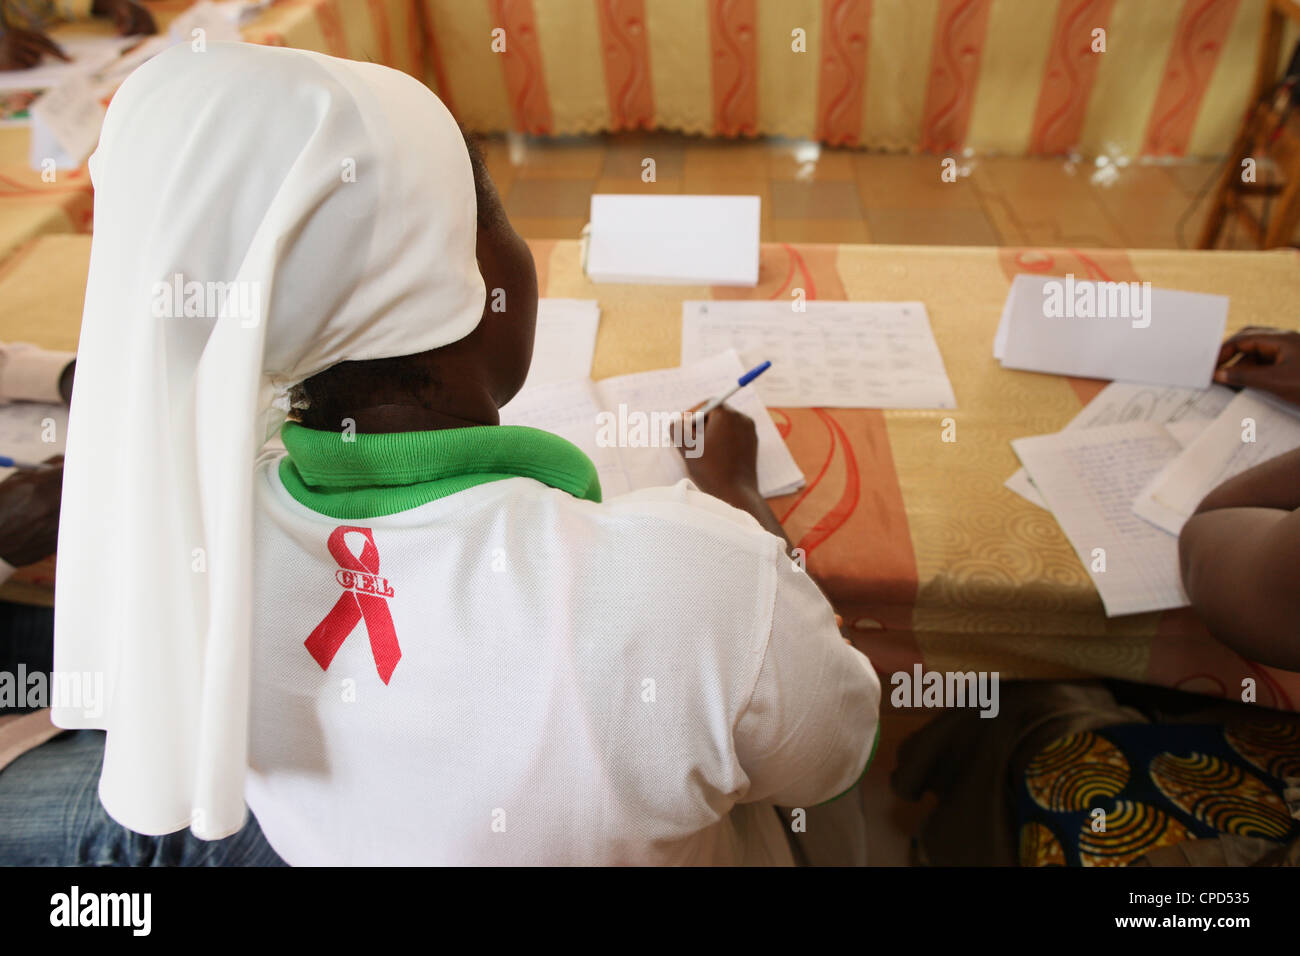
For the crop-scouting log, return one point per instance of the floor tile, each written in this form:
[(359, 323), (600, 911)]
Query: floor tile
[(815, 200)]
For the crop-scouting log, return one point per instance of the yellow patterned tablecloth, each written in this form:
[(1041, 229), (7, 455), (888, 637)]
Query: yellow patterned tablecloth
[(381, 31), (928, 557)]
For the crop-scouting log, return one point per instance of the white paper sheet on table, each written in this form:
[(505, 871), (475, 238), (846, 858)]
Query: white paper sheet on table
[(24, 427), (571, 409), (834, 354), (1090, 478), (1185, 412), (1178, 347), (1216, 455), (674, 240), (565, 342), (88, 55)]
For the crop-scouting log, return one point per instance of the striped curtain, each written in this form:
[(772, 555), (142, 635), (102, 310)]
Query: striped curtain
[(1017, 77)]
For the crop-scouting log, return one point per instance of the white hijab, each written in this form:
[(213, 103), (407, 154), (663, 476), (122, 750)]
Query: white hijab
[(339, 197)]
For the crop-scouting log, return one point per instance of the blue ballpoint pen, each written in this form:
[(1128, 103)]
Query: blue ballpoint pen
[(741, 382)]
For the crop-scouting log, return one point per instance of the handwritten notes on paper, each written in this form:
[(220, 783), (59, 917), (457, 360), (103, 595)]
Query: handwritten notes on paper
[(1185, 412), (1090, 478)]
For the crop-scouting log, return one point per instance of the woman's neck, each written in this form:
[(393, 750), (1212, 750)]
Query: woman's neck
[(382, 419)]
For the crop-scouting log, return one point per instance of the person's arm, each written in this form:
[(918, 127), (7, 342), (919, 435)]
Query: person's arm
[(809, 730), (32, 374), (22, 44), (1271, 484), (1240, 557), (1241, 570)]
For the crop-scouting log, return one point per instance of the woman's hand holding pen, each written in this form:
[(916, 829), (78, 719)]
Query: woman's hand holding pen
[(721, 456), (724, 459)]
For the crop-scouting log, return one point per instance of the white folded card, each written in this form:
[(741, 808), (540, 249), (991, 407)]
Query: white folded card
[(1126, 331), (674, 240)]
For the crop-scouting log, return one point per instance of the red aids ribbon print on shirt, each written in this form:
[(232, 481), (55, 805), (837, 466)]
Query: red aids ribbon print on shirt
[(365, 596)]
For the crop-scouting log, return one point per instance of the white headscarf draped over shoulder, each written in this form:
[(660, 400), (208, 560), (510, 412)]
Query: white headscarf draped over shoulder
[(330, 206)]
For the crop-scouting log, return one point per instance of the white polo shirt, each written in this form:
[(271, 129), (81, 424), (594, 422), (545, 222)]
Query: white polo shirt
[(567, 682)]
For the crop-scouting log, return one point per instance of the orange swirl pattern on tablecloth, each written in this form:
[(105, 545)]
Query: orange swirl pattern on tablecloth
[(1132, 829), (1220, 795), (1073, 772)]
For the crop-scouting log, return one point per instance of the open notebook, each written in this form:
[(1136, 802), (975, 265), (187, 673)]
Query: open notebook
[(620, 423)]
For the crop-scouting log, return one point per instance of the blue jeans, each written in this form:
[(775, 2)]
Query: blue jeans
[(50, 815)]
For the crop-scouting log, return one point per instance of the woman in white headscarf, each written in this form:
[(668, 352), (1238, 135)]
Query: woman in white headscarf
[(413, 635), (261, 215)]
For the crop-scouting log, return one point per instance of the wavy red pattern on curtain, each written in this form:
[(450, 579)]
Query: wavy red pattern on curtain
[(625, 48), (842, 79), (955, 56)]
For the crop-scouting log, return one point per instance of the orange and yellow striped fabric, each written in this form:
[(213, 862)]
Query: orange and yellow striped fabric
[(1008, 76)]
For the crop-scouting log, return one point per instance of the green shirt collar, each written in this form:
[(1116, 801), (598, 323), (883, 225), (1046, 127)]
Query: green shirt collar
[(368, 475)]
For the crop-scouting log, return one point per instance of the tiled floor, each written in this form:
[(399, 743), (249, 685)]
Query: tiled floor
[(834, 195)]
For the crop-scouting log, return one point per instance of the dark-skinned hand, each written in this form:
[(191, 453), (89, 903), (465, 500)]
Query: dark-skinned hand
[(129, 16), (29, 514), (727, 465), (1270, 362), (21, 49)]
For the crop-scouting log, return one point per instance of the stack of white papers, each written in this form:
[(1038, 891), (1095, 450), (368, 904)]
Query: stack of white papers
[(1253, 428), (674, 240), (832, 354), (1126, 331), (1185, 412), (1122, 492), (621, 423), (1090, 478)]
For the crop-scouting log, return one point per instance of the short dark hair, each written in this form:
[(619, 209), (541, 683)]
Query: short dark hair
[(490, 213)]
